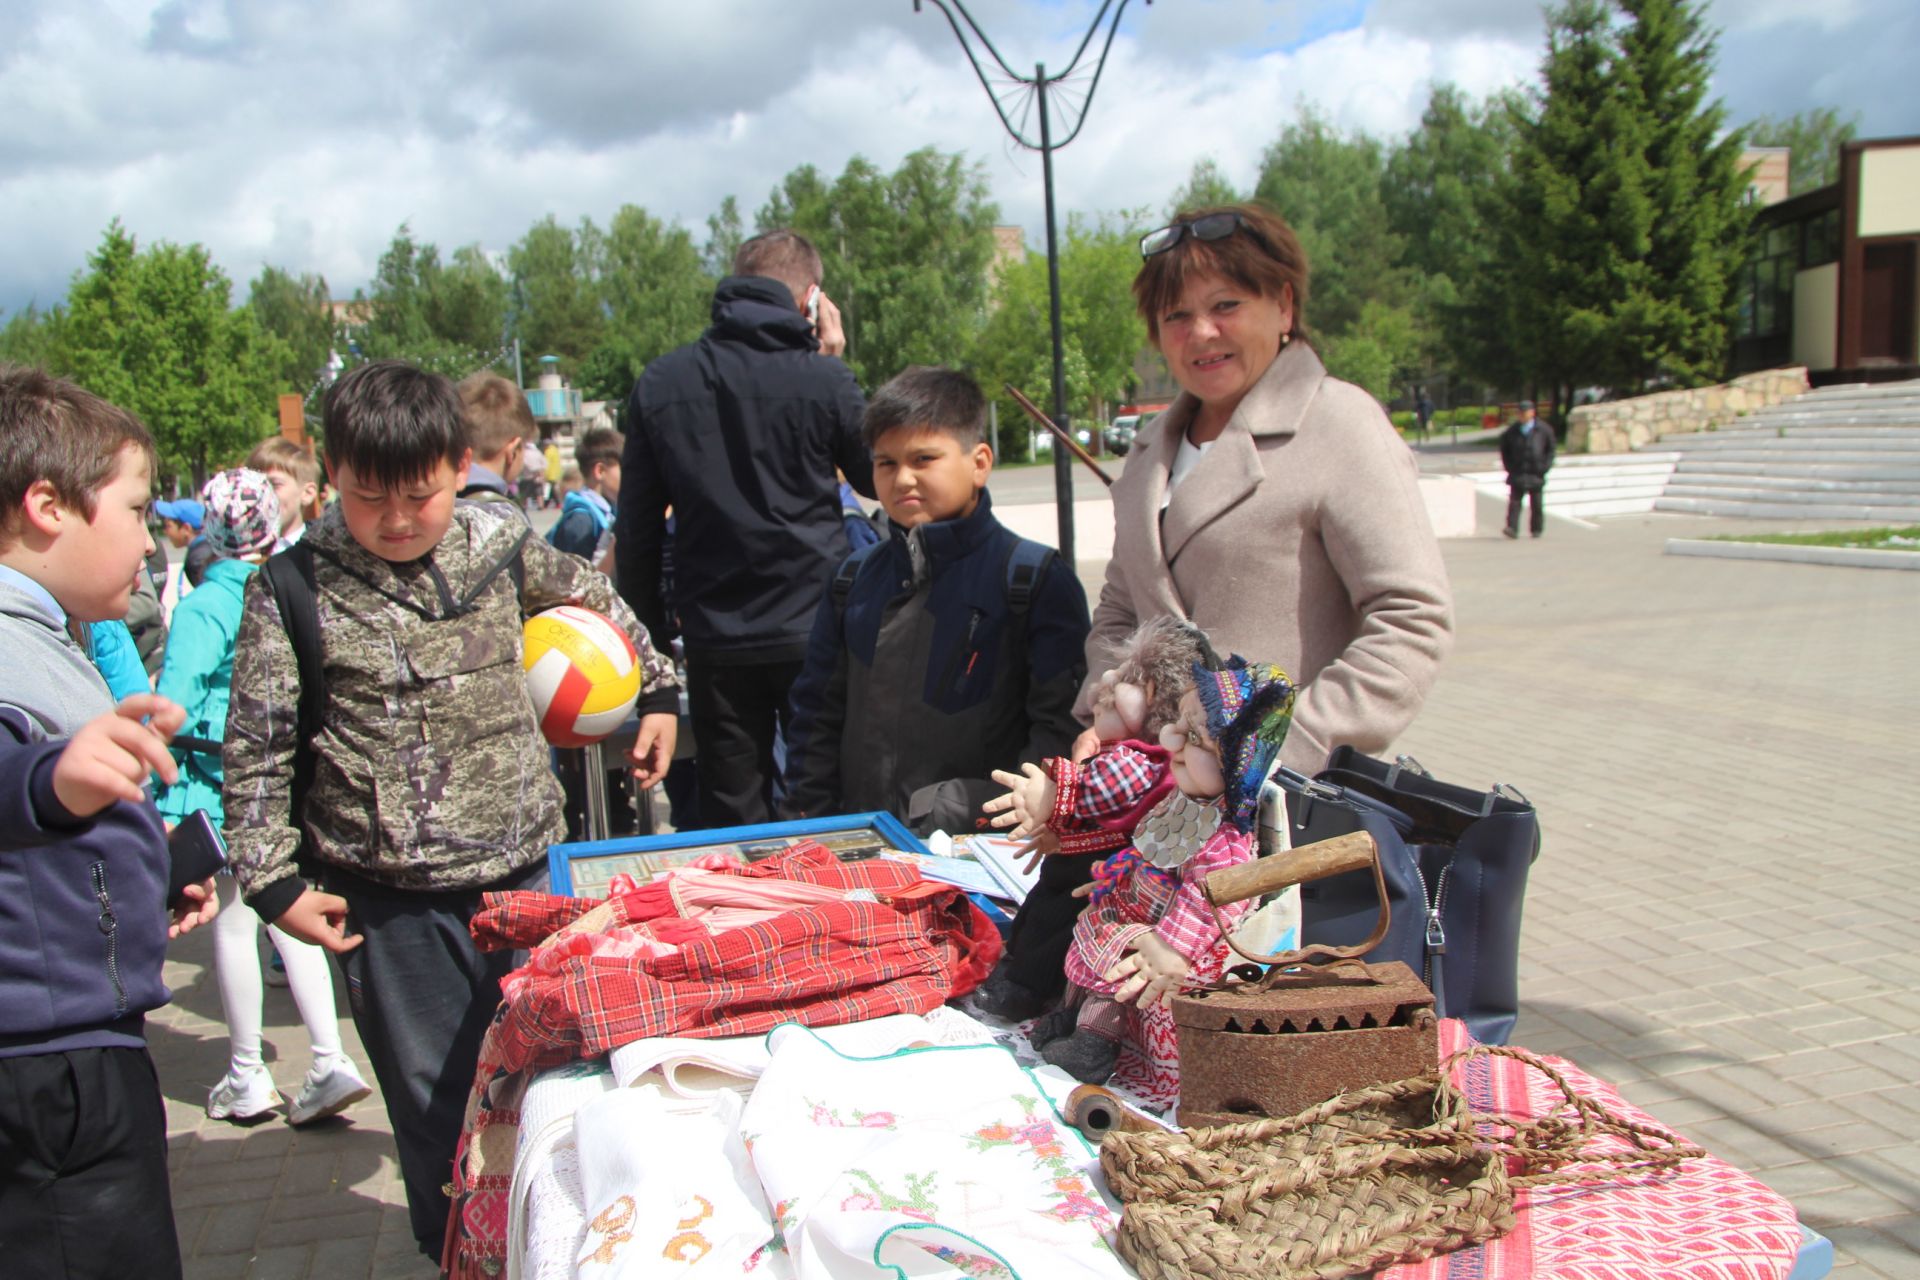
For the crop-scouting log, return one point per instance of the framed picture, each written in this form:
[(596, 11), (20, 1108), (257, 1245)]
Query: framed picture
[(584, 869)]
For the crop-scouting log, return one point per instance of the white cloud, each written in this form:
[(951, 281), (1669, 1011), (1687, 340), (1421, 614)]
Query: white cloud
[(272, 131)]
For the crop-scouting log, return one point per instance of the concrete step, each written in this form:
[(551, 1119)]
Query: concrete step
[(1774, 510), (1802, 483), (1839, 435), (1790, 459), (1713, 464), (1802, 497), (1892, 442)]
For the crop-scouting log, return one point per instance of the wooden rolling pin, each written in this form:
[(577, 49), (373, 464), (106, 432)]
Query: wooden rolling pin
[(1351, 852)]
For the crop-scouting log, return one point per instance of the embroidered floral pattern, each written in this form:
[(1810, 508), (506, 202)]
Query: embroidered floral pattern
[(1074, 1198), (917, 1203), (829, 1118), (968, 1264)]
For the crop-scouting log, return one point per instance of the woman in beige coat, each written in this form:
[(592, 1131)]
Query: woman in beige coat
[(1273, 506)]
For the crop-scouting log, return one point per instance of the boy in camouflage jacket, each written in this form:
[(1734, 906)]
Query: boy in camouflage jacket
[(431, 783)]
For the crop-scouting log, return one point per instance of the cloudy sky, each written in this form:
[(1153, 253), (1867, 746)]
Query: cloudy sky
[(275, 131)]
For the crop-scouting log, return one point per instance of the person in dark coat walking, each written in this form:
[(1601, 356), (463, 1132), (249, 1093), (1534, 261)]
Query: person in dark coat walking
[(739, 434), (1526, 450)]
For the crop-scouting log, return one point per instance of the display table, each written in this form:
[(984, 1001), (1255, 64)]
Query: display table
[(918, 1147)]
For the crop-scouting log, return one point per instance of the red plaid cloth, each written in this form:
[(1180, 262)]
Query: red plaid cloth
[(1097, 804), (905, 945), (913, 947)]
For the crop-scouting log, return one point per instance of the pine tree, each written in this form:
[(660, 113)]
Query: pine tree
[(1698, 234)]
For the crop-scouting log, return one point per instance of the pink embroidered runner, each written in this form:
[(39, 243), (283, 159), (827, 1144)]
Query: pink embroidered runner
[(1707, 1221)]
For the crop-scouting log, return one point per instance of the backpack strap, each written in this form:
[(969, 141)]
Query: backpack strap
[(289, 576), (1027, 564), (849, 570)]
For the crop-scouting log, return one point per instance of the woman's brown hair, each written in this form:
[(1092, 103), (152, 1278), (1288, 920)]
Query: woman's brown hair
[(1262, 254)]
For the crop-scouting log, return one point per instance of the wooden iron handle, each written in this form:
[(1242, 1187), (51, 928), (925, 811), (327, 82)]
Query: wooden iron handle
[(1351, 852)]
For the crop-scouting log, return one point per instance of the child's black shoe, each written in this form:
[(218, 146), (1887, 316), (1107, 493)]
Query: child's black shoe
[(1085, 1056)]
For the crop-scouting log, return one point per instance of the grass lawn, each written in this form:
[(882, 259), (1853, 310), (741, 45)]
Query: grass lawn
[(1906, 539)]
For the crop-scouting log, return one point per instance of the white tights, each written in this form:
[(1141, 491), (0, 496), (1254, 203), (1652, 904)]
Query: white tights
[(236, 966)]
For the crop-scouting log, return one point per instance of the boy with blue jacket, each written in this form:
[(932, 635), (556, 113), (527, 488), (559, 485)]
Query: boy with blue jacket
[(83, 858), (952, 649)]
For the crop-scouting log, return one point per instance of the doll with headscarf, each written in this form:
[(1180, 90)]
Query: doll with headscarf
[(1148, 930)]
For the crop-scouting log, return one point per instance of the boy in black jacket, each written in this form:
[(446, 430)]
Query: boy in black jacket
[(952, 649)]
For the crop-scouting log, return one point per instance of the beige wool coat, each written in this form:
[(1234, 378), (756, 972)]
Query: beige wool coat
[(1300, 539)]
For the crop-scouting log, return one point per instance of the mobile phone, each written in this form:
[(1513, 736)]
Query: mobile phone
[(196, 851), (813, 305)]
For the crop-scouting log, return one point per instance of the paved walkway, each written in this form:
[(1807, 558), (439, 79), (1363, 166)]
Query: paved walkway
[(1723, 753)]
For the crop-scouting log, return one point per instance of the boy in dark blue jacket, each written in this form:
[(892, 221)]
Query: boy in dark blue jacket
[(83, 858), (950, 650)]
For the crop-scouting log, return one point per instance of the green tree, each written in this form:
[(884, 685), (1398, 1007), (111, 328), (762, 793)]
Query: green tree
[(1697, 236), (298, 311), (467, 301), (724, 235), (555, 279), (1813, 138), (1101, 331), (1442, 190), (154, 332), (32, 337), (1328, 186), (1206, 185), (905, 255), (1577, 218), (657, 296)]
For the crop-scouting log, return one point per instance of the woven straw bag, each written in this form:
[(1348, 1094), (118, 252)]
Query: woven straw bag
[(1394, 1173)]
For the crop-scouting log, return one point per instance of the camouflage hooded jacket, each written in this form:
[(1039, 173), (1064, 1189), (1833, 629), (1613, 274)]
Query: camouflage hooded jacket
[(430, 771)]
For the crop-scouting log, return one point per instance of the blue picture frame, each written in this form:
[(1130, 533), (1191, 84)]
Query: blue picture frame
[(583, 868)]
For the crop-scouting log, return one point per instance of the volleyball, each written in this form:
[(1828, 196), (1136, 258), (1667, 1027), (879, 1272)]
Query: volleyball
[(582, 674)]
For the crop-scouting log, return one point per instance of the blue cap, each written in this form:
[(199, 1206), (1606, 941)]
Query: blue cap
[(186, 510)]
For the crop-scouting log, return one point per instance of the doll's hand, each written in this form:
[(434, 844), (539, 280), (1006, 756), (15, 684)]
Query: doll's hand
[(1028, 802), (1043, 842), (1149, 973)]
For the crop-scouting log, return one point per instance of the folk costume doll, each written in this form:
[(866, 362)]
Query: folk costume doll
[(1131, 703), (1188, 806)]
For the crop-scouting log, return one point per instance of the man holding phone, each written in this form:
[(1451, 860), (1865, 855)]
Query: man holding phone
[(739, 434)]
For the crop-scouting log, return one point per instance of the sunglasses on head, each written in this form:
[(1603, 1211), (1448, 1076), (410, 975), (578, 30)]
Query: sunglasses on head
[(1215, 226)]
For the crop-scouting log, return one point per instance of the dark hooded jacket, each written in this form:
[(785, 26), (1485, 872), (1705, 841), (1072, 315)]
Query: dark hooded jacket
[(740, 434), (83, 925)]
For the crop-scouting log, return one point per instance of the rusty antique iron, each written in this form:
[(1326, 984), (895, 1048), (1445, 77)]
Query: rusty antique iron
[(1318, 1023)]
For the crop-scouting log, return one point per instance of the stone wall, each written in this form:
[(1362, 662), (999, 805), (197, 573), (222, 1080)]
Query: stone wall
[(1618, 426)]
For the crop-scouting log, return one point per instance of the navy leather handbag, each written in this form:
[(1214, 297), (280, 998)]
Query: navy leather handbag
[(1455, 862)]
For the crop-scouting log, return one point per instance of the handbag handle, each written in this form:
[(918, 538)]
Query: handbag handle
[(1351, 852)]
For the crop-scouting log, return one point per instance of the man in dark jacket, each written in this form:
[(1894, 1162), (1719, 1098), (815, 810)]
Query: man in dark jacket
[(739, 434), (1526, 450)]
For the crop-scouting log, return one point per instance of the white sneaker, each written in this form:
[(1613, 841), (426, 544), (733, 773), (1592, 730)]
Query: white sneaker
[(242, 1097), (330, 1088)]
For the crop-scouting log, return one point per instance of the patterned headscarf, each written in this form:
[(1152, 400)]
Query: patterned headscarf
[(243, 513), (1249, 709)]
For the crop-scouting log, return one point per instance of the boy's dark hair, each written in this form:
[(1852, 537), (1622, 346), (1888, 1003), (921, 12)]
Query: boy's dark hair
[(277, 453), (930, 397), (58, 431), (496, 412), (599, 446), (393, 423)]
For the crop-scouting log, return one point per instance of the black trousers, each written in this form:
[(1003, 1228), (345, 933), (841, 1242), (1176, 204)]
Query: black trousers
[(1519, 493), (737, 712), (1042, 932), (422, 994), (83, 1168)]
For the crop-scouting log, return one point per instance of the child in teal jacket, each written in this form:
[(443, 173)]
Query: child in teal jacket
[(242, 521)]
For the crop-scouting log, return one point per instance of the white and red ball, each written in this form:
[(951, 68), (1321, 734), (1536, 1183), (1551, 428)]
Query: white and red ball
[(582, 673)]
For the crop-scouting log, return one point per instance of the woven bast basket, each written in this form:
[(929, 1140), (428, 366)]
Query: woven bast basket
[(1390, 1174)]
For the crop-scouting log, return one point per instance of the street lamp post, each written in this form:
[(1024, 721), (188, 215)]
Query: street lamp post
[(1019, 88)]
